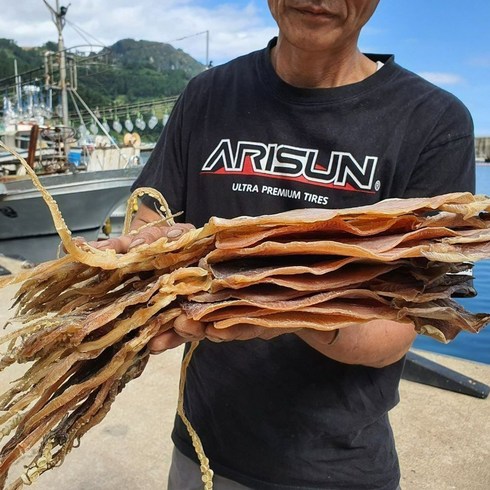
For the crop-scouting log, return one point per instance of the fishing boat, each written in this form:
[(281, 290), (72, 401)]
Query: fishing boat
[(89, 177), (87, 184), (86, 200)]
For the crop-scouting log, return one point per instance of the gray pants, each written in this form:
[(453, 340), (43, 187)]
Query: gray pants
[(185, 475)]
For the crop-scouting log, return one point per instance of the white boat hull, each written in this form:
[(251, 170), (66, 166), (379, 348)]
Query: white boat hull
[(85, 199)]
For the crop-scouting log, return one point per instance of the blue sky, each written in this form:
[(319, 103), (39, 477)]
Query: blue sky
[(446, 41)]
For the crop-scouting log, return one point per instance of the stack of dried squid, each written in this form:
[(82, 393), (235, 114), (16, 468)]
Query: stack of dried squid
[(86, 319), (325, 269)]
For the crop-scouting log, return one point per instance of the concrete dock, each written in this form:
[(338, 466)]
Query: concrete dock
[(443, 437)]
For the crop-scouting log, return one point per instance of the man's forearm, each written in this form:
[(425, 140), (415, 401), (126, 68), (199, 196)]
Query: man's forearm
[(377, 343)]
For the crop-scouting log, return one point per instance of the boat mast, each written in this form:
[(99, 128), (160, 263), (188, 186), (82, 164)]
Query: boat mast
[(59, 20), (18, 88)]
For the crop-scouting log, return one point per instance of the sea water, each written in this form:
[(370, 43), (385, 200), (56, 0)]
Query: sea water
[(469, 345)]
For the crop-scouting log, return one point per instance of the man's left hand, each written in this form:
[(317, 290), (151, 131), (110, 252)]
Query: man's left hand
[(188, 330)]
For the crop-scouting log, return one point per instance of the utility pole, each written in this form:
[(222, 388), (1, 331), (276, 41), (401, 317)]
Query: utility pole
[(59, 20), (18, 88), (207, 49)]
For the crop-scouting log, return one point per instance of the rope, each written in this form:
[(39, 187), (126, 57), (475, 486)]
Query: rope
[(206, 471)]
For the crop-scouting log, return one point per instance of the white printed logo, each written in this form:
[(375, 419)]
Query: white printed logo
[(293, 163)]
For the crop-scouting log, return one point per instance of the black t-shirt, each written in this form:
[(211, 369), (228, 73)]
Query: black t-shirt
[(240, 141)]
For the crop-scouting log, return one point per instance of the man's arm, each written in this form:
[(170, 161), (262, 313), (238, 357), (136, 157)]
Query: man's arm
[(377, 343)]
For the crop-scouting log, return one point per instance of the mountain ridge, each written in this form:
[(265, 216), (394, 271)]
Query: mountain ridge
[(127, 71)]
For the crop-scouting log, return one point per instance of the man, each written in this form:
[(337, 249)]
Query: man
[(309, 121)]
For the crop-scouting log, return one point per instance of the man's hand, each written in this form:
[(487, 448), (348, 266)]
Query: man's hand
[(146, 235), (188, 330), (142, 232)]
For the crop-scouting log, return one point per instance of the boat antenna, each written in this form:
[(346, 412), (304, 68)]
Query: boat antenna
[(59, 19)]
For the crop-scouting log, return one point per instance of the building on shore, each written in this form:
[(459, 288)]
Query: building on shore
[(482, 146)]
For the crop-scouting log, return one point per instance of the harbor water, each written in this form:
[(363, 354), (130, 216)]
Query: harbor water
[(467, 345)]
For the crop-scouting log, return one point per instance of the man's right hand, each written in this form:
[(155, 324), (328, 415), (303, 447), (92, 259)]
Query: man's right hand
[(147, 235), (143, 232)]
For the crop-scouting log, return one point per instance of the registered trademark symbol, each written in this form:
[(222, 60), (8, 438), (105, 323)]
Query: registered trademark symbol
[(377, 185)]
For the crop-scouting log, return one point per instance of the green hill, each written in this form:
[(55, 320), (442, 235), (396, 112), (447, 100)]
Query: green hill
[(127, 72)]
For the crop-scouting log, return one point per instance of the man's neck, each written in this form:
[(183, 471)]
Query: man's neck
[(320, 70)]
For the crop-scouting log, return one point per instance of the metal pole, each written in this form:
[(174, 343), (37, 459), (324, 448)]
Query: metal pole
[(207, 49), (18, 88), (62, 54)]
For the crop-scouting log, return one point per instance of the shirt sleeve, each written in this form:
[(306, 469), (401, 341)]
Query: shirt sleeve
[(165, 169), (447, 162)]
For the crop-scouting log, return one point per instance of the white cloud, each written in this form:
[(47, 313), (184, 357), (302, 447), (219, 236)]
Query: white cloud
[(441, 78), (234, 28)]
